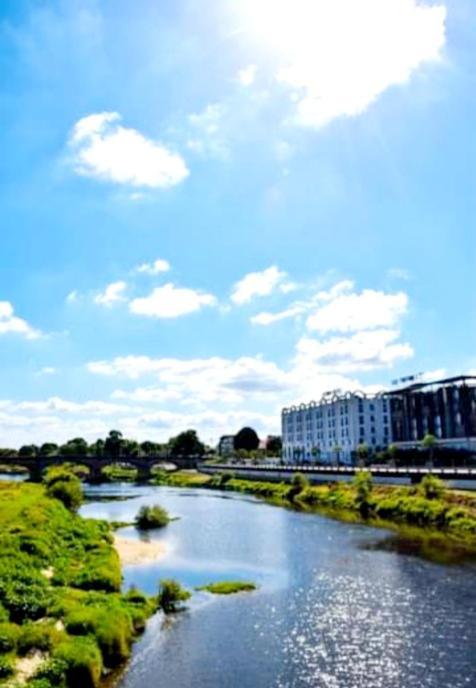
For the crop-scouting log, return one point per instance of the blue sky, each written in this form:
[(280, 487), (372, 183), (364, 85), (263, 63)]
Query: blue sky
[(211, 209)]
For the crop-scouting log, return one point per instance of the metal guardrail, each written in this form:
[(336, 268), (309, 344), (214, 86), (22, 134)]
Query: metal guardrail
[(446, 471)]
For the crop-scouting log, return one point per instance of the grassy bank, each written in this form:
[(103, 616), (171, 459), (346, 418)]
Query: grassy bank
[(428, 506), (60, 601)]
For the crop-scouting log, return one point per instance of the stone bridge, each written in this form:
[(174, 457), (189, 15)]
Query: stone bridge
[(36, 465)]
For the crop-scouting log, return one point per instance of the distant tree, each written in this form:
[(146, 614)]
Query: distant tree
[(97, 448), (186, 444), (428, 443), (48, 448), (28, 451), (363, 453), (148, 448), (7, 453), (316, 453), (75, 447), (113, 445), (247, 439), (274, 445), (130, 448), (392, 452)]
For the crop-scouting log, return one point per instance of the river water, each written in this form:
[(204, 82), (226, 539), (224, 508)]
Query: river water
[(335, 608)]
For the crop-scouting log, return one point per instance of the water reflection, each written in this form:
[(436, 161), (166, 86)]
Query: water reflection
[(333, 610)]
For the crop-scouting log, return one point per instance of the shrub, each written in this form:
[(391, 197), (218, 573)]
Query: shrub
[(431, 487), (113, 632), (24, 600), (150, 517), (298, 484), (69, 492), (170, 595), (82, 661), (363, 487), (8, 636), (36, 637), (51, 673), (7, 667)]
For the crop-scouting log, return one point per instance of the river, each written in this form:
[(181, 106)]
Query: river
[(336, 607)]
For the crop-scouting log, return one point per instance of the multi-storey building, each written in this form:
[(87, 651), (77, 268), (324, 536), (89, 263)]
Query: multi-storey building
[(226, 445), (444, 408), (332, 429)]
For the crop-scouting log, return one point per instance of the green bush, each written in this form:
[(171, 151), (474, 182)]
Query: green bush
[(51, 673), (101, 570), (36, 637), (82, 661), (170, 595), (150, 517), (113, 632), (61, 483), (363, 487), (9, 633), (7, 667), (298, 484), (24, 600), (431, 487)]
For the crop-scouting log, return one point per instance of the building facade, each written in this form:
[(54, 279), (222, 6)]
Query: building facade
[(226, 445), (445, 408), (331, 429)]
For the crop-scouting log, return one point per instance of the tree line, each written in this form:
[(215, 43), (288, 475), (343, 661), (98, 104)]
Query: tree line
[(114, 447)]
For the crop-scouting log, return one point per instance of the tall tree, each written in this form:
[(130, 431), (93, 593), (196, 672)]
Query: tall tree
[(247, 439), (428, 443), (274, 445), (186, 444), (113, 445)]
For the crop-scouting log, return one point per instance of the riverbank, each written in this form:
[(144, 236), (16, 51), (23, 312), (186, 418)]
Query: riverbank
[(63, 618), (448, 517)]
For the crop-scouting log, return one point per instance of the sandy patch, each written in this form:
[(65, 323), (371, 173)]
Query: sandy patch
[(27, 666), (134, 552)]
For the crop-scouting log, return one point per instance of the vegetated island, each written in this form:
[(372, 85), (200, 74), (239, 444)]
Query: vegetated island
[(152, 517), (444, 519), (227, 587), (63, 619)]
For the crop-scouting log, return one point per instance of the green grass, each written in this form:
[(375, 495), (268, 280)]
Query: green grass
[(228, 587), (56, 566)]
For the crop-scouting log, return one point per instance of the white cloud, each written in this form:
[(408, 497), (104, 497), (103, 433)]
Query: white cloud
[(114, 293), (170, 301), (259, 284), (12, 324), (104, 149), (247, 75), (303, 306), (266, 318), (159, 265), (361, 352), (207, 137), (338, 56), (352, 312)]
